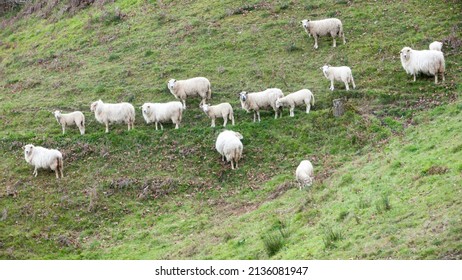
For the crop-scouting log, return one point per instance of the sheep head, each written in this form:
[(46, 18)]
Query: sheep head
[(28, 149), (305, 23), (171, 84), (324, 69), (243, 96), (405, 53), (205, 107), (95, 104)]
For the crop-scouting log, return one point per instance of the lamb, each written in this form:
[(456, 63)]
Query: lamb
[(45, 158), (330, 26), (75, 118), (304, 174), (163, 112), (428, 62), (300, 97), (222, 110), (198, 86), (114, 113), (229, 145), (257, 100), (435, 46), (342, 73)]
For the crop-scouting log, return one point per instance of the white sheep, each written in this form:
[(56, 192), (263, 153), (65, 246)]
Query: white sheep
[(304, 174), (329, 26), (75, 118), (198, 86), (342, 73), (435, 46), (300, 97), (222, 110), (114, 113), (163, 112), (229, 145), (428, 62), (258, 100), (45, 158)]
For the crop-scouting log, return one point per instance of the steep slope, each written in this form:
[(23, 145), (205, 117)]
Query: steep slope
[(166, 194)]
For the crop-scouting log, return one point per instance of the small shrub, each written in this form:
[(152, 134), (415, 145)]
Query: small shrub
[(383, 204), (342, 215), (273, 243), (363, 204), (292, 48), (113, 57), (331, 236)]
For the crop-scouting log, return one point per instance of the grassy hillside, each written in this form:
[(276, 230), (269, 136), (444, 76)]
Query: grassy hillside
[(388, 173)]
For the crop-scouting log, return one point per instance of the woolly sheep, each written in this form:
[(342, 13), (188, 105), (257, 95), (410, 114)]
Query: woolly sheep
[(75, 118), (114, 113), (300, 97), (330, 26), (257, 100), (342, 73), (45, 158), (435, 46), (163, 112), (428, 62), (304, 174), (198, 86), (229, 145), (222, 110)]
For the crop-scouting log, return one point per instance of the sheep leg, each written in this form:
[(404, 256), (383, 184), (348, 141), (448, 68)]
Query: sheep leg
[(232, 119), (254, 115), (331, 85), (107, 127), (232, 165), (64, 128), (291, 111), (436, 78), (258, 114), (276, 113), (184, 104), (161, 126), (353, 81), (346, 85), (156, 125), (335, 43), (35, 172), (213, 122), (225, 121), (414, 77), (315, 41), (308, 107)]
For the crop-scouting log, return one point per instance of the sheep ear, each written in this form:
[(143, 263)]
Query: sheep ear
[(23, 147)]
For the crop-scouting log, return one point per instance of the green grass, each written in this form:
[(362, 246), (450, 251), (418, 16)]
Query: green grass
[(387, 172)]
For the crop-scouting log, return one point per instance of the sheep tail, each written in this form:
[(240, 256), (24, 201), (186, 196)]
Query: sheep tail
[(209, 93), (180, 112), (312, 100), (60, 166)]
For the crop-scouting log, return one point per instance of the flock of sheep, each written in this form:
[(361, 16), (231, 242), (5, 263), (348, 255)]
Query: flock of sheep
[(228, 143)]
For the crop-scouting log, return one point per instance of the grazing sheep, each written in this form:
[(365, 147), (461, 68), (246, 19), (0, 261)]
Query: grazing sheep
[(435, 46), (75, 118), (114, 113), (428, 62), (229, 145), (300, 97), (330, 26), (342, 73), (222, 110), (163, 112), (198, 86), (257, 100), (304, 174), (45, 158)]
